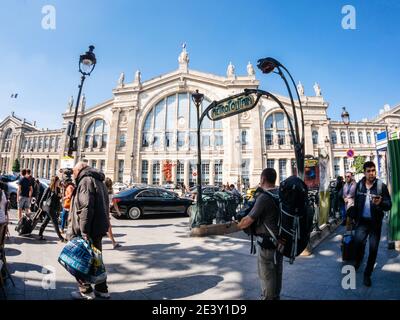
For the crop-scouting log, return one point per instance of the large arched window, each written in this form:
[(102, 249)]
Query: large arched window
[(333, 137), (96, 134), (275, 125), (315, 137), (369, 138), (7, 141), (172, 123)]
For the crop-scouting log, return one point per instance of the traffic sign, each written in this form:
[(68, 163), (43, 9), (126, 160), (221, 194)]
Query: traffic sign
[(194, 174), (67, 162), (350, 153)]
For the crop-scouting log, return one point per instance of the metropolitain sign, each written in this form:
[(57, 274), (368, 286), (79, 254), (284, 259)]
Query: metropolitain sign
[(232, 106)]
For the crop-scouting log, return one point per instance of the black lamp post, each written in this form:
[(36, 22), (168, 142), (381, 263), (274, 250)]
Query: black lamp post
[(268, 65), (346, 120), (198, 99), (87, 63)]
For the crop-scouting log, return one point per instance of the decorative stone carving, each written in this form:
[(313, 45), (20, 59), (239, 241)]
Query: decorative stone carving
[(83, 103), (183, 59), (250, 69), (121, 80), (138, 77), (123, 119), (245, 115), (317, 90), (230, 71), (300, 89)]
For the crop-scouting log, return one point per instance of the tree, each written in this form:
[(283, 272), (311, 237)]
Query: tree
[(358, 164), (16, 166)]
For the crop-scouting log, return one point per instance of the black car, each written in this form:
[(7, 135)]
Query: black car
[(136, 202)]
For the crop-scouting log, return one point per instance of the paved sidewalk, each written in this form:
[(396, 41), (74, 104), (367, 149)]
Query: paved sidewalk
[(158, 260)]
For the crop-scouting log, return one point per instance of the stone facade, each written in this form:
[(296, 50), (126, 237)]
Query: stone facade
[(147, 129)]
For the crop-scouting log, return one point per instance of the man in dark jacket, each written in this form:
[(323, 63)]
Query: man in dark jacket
[(371, 200), (89, 219)]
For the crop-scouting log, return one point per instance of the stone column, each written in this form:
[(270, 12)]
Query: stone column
[(150, 173), (174, 171), (186, 175), (212, 172), (256, 134), (111, 167), (288, 167), (53, 167), (341, 166), (131, 146), (309, 148), (276, 167)]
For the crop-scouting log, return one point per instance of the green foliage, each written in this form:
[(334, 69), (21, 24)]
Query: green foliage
[(358, 164), (16, 166)]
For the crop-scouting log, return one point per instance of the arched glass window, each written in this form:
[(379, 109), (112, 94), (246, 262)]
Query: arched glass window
[(7, 140), (333, 137), (96, 134), (175, 117), (360, 137), (40, 145), (343, 138), (46, 143), (369, 137), (315, 137), (352, 137), (275, 124)]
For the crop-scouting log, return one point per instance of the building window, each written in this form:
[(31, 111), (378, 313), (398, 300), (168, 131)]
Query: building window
[(282, 169), (336, 166), (192, 170), (120, 170), (7, 140), (102, 165), (346, 164), (218, 172), (55, 166), (157, 141), (180, 172), (146, 140), (145, 172), (281, 137), (315, 137), (46, 143), (122, 140), (270, 163), (369, 137), (205, 139), (43, 171), (275, 123), (268, 137), (57, 143), (156, 172), (181, 139), (168, 139), (360, 137), (244, 138), (193, 140), (40, 146), (205, 172), (96, 134), (49, 169), (219, 138), (245, 173), (352, 137), (343, 139), (94, 164)]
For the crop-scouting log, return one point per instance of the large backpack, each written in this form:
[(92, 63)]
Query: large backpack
[(296, 219)]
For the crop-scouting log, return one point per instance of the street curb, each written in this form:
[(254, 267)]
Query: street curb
[(317, 237)]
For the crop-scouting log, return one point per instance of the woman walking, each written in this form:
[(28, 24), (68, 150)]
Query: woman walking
[(51, 205), (68, 190), (108, 183)]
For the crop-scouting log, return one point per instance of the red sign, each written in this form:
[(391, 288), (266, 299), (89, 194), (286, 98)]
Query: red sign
[(350, 153), (194, 174)]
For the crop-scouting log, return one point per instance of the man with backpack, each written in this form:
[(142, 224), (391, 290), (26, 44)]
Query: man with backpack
[(371, 200), (265, 214)]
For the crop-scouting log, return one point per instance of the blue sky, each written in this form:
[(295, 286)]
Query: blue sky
[(355, 68)]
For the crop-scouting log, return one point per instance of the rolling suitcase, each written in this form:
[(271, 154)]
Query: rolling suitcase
[(348, 246), (26, 225)]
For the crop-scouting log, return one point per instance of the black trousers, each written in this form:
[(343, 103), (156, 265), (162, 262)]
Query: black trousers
[(87, 287), (367, 229), (51, 216)]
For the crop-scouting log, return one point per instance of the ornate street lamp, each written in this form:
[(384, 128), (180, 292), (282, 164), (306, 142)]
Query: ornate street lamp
[(131, 180), (198, 99), (87, 63), (268, 65)]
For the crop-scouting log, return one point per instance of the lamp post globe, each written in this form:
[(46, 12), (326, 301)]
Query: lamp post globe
[(87, 62), (345, 116)]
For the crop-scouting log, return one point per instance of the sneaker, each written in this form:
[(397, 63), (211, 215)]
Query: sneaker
[(42, 238), (77, 295), (104, 295), (117, 245), (367, 281)]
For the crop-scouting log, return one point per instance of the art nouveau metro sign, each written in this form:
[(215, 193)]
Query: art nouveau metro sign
[(231, 106)]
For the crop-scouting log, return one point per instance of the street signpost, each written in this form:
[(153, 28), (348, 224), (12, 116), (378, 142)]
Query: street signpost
[(67, 162), (350, 153)]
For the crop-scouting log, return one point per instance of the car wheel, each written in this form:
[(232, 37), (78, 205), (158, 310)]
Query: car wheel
[(134, 213), (13, 201)]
